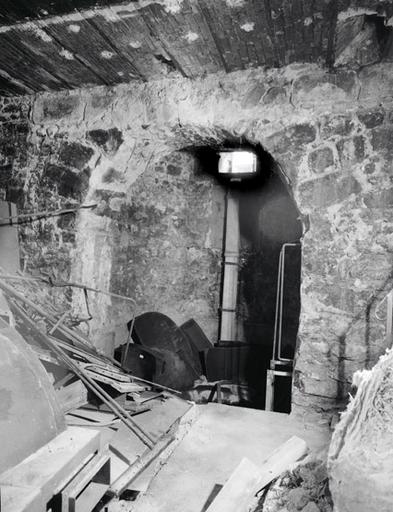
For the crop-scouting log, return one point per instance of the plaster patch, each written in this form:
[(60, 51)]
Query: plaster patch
[(74, 28), (106, 54), (352, 12), (66, 54), (235, 3), (135, 44), (42, 34), (248, 27), (191, 36)]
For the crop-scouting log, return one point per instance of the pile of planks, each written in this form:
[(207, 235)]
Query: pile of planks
[(92, 388)]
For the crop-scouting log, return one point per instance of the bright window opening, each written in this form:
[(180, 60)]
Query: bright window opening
[(237, 162)]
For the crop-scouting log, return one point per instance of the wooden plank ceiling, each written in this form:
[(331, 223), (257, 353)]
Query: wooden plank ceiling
[(66, 44)]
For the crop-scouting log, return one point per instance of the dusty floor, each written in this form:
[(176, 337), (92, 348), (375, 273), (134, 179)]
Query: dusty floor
[(217, 441)]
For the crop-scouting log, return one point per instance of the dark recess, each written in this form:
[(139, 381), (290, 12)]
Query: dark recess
[(268, 219)]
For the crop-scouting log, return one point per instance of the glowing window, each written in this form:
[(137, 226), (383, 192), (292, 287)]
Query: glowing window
[(237, 162)]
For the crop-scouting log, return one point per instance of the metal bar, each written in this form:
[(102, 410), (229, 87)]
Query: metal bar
[(129, 337), (269, 397), (63, 284), (389, 319), (228, 325), (277, 305), (281, 301), (124, 480), (89, 382), (24, 217), (60, 321), (69, 333)]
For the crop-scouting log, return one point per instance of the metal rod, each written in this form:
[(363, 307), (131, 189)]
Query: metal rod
[(66, 331), (389, 319), (63, 284), (91, 384), (60, 321), (277, 338), (129, 337), (24, 217)]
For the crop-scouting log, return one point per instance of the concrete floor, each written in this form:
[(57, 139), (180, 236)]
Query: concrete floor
[(211, 450)]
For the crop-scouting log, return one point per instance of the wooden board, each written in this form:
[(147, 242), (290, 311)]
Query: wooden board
[(239, 490), (53, 465), (9, 243), (248, 479), (72, 396)]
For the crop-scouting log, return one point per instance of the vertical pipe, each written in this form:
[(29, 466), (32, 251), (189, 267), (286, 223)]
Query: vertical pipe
[(231, 270), (389, 319)]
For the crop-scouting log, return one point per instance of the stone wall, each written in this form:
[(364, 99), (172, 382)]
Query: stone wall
[(331, 133)]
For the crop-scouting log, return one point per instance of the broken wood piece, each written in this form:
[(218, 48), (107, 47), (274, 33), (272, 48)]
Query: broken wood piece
[(72, 396), (120, 382), (248, 479), (282, 459), (124, 480), (45, 355), (52, 466), (239, 490)]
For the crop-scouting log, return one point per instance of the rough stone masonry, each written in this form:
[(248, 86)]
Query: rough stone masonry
[(154, 234)]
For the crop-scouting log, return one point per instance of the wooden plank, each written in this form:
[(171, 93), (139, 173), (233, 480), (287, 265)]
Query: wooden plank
[(140, 465), (88, 46), (9, 243), (239, 489), (248, 479), (50, 467), (72, 396), (21, 499), (84, 492), (281, 460)]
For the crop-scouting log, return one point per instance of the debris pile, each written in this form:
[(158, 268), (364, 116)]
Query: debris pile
[(304, 489), (137, 419)]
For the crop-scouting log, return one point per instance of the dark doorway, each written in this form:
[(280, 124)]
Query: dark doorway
[(269, 219)]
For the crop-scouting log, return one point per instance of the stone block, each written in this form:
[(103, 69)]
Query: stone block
[(382, 141), (324, 87), (320, 159), (376, 82), (57, 107), (371, 117), (380, 199), (291, 139), (253, 95), (327, 190), (341, 125), (68, 183), (108, 140), (275, 96), (351, 151), (73, 154)]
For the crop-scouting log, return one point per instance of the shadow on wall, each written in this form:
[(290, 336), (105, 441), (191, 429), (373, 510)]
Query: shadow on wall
[(360, 330), (269, 219)]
